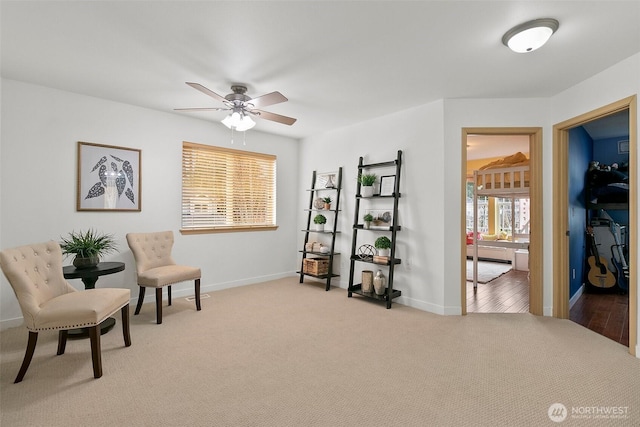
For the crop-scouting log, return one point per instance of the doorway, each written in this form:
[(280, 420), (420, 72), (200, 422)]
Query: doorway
[(534, 136), (561, 228)]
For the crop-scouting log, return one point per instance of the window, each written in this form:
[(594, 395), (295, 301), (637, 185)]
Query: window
[(227, 190)]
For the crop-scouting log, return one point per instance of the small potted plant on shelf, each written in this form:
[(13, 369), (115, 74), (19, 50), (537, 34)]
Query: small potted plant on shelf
[(327, 202), (383, 245), (367, 220), (87, 247), (367, 180), (320, 220)]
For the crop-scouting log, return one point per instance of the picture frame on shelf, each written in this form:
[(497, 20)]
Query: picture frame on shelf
[(382, 218), (326, 180), (387, 185), (109, 178)]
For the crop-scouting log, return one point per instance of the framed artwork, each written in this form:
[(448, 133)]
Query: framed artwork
[(387, 185), (623, 146), (109, 178), (326, 180), (382, 218)]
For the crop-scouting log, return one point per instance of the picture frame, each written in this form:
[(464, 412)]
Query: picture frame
[(108, 178), (623, 146), (382, 218), (326, 180), (387, 185)]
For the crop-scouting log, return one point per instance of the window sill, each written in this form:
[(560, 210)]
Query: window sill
[(228, 229)]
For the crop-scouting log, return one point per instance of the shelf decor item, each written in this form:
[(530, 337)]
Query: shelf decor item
[(367, 221), (367, 180), (379, 283), (327, 203), (319, 221), (383, 245), (87, 247), (366, 252), (367, 281)]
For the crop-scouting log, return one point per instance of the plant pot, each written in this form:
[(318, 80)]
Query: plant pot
[(366, 191), (80, 263), (367, 225), (327, 206), (319, 227), (384, 252)]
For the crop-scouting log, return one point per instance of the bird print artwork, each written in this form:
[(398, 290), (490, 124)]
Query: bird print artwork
[(115, 177)]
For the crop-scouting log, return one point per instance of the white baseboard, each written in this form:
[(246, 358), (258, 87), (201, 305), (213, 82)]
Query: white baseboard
[(576, 296)]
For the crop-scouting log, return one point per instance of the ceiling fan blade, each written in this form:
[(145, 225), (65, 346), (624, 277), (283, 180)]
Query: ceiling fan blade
[(268, 99), (274, 117), (206, 91), (200, 109)]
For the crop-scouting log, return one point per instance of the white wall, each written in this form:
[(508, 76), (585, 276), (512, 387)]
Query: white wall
[(40, 130), (616, 83), (461, 113), (418, 133)]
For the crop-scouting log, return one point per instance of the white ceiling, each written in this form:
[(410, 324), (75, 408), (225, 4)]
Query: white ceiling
[(338, 62)]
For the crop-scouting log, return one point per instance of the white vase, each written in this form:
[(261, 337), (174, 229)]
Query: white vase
[(366, 191), (319, 227)]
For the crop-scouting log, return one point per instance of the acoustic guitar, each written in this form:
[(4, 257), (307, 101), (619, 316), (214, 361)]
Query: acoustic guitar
[(599, 275)]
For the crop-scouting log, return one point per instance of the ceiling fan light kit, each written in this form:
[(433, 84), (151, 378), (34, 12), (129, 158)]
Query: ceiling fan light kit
[(242, 106), (530, 35)]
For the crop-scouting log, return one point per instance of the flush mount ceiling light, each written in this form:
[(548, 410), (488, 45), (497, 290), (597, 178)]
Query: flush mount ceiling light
[(530, 35)]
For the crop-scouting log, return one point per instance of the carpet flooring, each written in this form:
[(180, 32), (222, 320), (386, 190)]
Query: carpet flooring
[(281, 353)]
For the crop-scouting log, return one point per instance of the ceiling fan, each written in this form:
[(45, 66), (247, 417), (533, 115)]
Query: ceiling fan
[(242, 107)]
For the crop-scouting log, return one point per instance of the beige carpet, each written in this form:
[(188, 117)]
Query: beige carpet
[(487, 271), (288, 354)]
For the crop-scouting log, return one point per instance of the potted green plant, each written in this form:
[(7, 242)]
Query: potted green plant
[(327, 202), (367, 220), (367, 180), (87, 247), (320, 220), (383, 245)]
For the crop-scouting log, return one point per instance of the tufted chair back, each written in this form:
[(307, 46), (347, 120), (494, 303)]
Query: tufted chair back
[(156, 268), (35, 273), (48, 302), (151, 250)]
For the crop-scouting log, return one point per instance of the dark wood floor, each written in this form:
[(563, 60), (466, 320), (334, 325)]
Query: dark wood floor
[(508, 293), (606, 314)]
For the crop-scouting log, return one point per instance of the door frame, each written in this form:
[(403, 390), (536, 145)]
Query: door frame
[(535, 195), (561, 210)]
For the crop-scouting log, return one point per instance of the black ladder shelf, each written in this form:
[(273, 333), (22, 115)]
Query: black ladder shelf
[(390, 293), (331, 227)]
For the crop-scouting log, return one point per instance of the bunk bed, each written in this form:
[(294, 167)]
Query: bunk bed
[(505, 178)]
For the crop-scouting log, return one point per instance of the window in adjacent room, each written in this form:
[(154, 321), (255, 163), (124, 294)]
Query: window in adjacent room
[(227, 190)]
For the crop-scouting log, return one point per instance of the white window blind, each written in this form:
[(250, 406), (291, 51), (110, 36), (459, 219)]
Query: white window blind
[(227, 190)]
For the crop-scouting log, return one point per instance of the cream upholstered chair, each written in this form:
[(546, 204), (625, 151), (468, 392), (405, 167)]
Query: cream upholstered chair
[(49, 302), (157, 269)]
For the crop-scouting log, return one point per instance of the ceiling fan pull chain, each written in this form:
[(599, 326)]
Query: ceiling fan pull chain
[(231, 135)]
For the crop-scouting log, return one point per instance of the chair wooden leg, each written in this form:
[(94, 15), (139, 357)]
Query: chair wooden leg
[(198, 294), (124, 312), (158, 305), (28, 355), (96, 353), (140, 299), (62, 341), (169, 294)]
